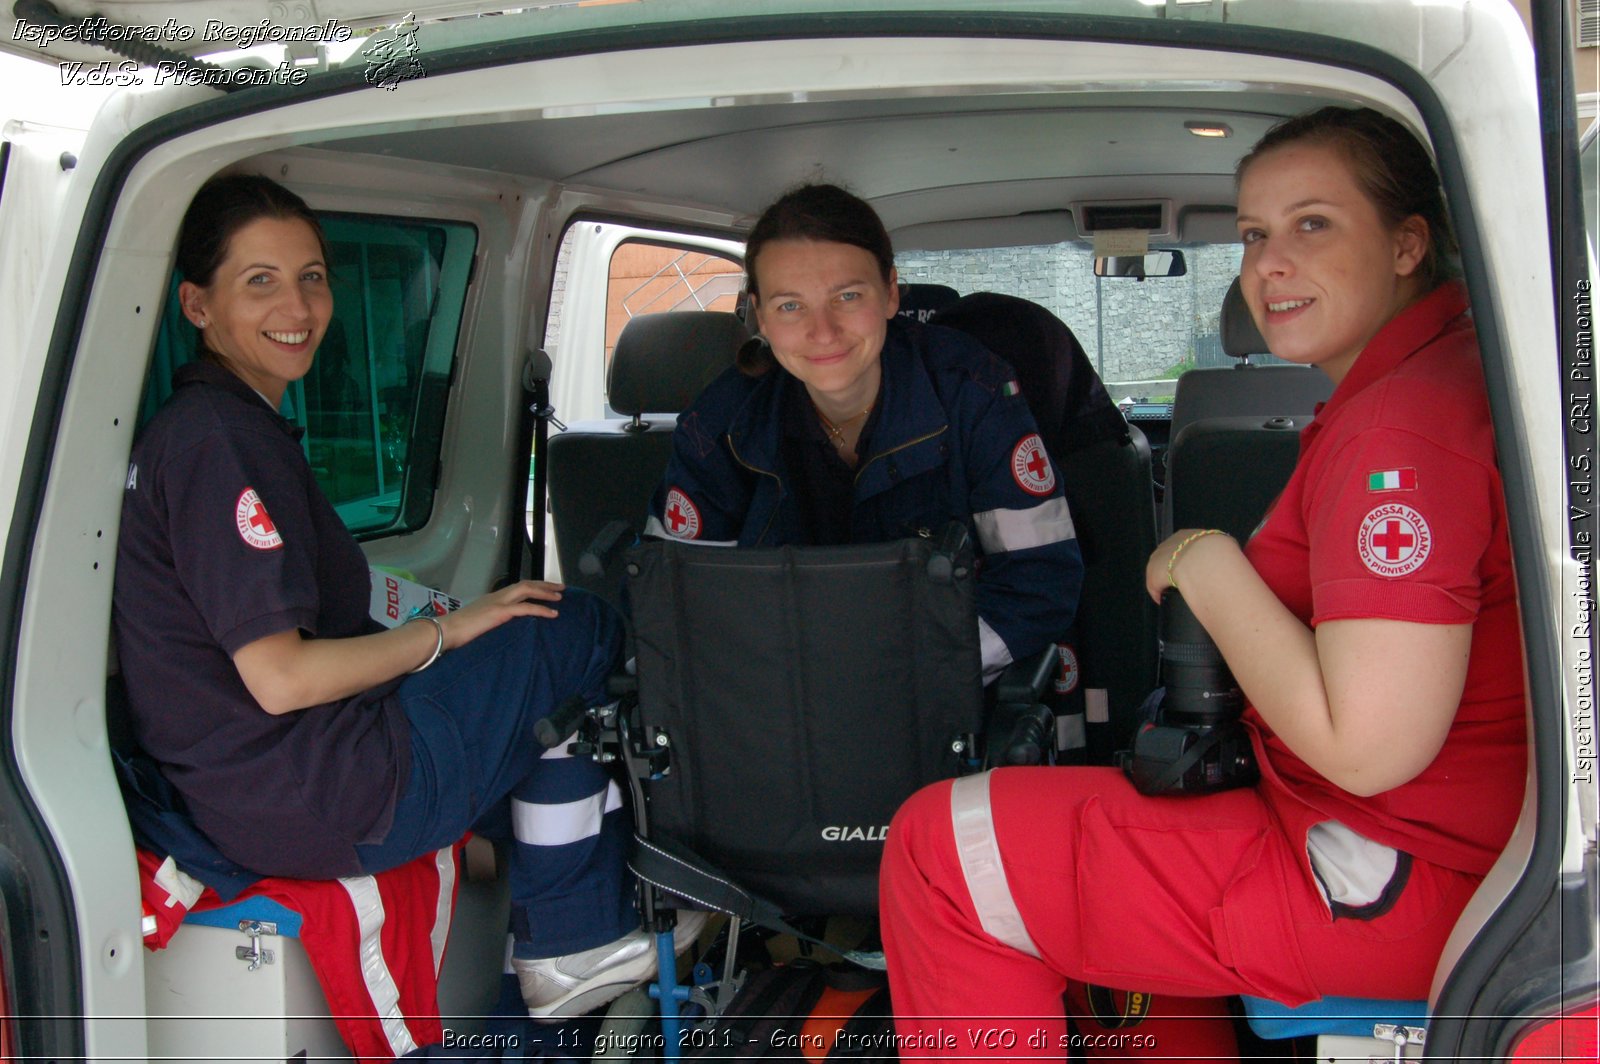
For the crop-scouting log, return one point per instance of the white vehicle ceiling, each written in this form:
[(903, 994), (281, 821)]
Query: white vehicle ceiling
[(918, 159), (950, 162)]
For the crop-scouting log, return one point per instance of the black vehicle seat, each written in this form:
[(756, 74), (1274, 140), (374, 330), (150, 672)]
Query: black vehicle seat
[(1236, 432), (604, 471), (921, 300), (1224, 472), (1246, 389), (1105, 470)]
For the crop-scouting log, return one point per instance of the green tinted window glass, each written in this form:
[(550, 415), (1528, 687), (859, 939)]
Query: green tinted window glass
[(373, 405)]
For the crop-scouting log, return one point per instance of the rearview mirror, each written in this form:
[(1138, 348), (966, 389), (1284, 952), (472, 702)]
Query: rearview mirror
[(1155, 264)]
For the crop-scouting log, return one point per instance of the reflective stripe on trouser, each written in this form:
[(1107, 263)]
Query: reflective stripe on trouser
[(367, 905), (1184, 898), (472, 717), (979, 853), (569, 839)]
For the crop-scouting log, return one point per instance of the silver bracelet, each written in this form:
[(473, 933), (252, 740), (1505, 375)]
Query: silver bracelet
[(438, 647)]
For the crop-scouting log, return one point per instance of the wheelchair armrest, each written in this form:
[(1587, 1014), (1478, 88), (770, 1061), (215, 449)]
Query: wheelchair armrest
[(602, 548), (1028, 679), (1020, 730)]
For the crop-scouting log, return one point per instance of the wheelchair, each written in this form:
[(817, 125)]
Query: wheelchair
[(782, 704), (854, 669)]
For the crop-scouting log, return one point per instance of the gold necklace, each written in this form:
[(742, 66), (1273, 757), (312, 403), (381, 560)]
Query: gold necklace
[(834, 430)]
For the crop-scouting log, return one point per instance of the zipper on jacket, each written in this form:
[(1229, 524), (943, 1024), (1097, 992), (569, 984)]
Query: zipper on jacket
[(763, 472), (895, 450)]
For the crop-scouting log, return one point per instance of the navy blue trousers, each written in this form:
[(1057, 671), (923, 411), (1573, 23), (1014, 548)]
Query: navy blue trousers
[(475, 764)]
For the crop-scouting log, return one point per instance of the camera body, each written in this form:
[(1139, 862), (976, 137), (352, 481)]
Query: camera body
[(1194, 741)]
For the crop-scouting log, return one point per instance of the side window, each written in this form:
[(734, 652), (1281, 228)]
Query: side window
[(607, 273), (649, 278), (373, 405)]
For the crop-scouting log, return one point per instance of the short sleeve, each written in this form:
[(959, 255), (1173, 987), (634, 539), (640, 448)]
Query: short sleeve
[(243, 541), (1398, 529)]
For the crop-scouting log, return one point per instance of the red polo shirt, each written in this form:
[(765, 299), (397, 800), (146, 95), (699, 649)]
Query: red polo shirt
[(1395, 510)]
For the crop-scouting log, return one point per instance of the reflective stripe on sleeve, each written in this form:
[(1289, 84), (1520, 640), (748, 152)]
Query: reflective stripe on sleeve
[(979, 852), (654, 527), (993, 650), (1037, 526)]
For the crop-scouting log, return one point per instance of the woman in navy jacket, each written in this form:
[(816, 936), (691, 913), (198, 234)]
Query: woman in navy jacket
[(844, 424)]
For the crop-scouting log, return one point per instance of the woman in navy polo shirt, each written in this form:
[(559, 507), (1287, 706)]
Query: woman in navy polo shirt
[(306, 740), (1371, 623)]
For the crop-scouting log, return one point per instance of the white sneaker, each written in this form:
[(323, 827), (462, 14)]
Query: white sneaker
[(559, 988)]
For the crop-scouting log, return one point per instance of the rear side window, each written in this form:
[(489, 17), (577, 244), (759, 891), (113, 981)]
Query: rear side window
[(648, 278), (373, 405)]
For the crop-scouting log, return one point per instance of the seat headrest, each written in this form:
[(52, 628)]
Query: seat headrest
[(1240, 337), (1065, 394), (921, 301), (663, 361)]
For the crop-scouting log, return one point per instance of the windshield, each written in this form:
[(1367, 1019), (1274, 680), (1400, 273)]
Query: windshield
[(1140, 334)]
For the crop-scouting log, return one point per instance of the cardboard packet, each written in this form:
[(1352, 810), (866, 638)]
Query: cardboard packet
[(396, 600)]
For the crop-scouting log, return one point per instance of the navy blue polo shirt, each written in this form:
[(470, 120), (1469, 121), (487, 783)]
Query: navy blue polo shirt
[(823, 483), (225, 539)]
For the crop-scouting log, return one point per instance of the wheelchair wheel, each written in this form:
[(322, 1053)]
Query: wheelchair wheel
[(622, 1035)]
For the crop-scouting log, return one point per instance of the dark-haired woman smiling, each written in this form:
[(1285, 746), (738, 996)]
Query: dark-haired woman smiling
[(305, 740), (848, 425)]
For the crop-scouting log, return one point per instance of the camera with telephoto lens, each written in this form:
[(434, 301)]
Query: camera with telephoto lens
[(1194, 741)]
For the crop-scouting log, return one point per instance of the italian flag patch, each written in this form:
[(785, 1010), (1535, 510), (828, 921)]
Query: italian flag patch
[(1392, 480)]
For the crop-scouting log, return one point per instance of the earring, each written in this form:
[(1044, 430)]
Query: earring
[(201, 324)]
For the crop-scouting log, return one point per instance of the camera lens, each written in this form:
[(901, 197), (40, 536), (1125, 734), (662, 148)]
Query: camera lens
[(1200, 689)]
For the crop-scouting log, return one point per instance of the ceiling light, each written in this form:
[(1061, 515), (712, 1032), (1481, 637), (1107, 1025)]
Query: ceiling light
[(1208, 129)]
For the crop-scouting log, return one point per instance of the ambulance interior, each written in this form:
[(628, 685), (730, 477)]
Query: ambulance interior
[(962, 143)]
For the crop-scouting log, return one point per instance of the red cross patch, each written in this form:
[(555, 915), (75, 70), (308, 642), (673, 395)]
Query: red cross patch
[(1031, 466), (1066, 680), (1394, 540), (680, 517), (255, 527)]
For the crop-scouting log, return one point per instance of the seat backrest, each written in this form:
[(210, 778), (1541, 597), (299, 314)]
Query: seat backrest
[(1225, 472), (605, 471), (1105, 472), (1246, 389), (1261, 393), (804, 693)]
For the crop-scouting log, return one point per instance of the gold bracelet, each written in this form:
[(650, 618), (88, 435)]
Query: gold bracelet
[(438, 647), (1173, 580)]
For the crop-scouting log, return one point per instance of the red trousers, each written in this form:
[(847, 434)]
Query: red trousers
[(1087, 881)]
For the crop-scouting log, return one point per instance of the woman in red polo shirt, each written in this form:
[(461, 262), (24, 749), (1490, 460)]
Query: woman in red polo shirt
[(1371, 623)]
